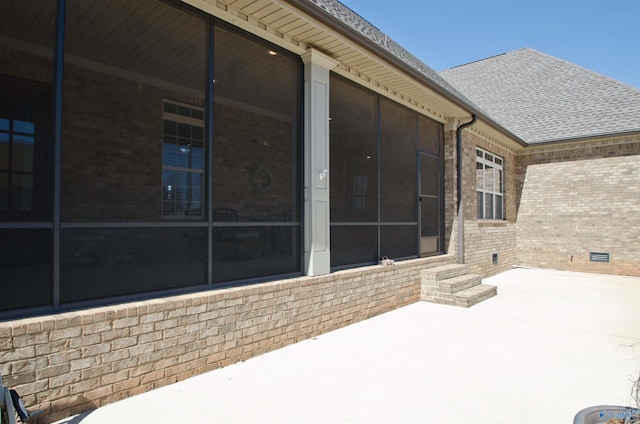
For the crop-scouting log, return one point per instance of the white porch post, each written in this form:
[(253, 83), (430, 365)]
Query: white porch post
[(317, 255)]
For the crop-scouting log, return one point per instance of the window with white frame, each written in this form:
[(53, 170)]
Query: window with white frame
[(489, 185), (182, 160)]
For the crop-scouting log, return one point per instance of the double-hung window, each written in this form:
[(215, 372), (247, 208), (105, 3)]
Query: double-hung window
[(17, 140), (182, 160), (489, 185)]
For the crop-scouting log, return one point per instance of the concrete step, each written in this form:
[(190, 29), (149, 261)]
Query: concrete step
[(473, 295), (457, 284), (443, 272)]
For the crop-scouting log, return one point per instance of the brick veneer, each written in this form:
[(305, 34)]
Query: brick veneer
[(579, 198), (72, 362), (563, 201), (484, 238), (450, 192)]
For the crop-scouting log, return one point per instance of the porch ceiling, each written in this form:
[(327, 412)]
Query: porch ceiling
[(293, 27), (297, 30)]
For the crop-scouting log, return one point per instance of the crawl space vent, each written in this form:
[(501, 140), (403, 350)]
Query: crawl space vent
[(599, 257)]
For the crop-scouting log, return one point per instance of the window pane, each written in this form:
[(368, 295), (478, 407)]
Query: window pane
[(122, 60), (499, 214), (353, 149), (479, 176), (184, 111), (197, 159), (397, 163), (182, 193), (430, 135), (4, 151), (18, 158), (171, 108), (353, 245), (184, 131), (183, 154), (197, 134), (429, 176), (488, 206), (248, 252), (488, 178), (103, 263), (22, 191), (255, 145), (4, 191), (430, 235), (23, 127), (23, 153), (170, 127), (430, 217), (25, 268), (169, 151), (399, 241)]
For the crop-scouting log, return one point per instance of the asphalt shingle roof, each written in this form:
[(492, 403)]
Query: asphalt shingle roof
[(534, 96), (541, 98)]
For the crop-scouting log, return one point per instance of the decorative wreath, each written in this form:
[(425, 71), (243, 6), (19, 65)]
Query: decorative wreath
[(262, 178)]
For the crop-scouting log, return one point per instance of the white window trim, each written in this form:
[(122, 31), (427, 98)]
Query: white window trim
[(498, 190)]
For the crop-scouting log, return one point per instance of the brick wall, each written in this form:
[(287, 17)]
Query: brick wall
[(76, 361), (112, 152), (18, 64), (112, 147), (484, 238), (580, 198), (450, 192)]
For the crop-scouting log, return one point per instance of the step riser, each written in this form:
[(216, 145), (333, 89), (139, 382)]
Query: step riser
[(445, 272), (467, 283), (477, 299), (441, 301), (440, 297)]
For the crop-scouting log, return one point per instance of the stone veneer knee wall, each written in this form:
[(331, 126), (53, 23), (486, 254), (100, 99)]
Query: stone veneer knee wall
[(72, 362)]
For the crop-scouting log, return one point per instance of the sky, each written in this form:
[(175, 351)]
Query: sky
[(600, 35)]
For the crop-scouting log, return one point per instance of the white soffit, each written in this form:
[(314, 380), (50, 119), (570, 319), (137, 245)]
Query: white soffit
[(290, 28), (284, 25)]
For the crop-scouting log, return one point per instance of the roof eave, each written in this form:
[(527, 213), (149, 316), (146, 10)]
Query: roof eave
[(345, 30), (585, 138)]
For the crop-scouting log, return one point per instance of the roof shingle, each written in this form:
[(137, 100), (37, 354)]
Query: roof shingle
[(541, 98)]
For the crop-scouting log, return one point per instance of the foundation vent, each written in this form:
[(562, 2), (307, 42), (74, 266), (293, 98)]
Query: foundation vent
[(598, 257)]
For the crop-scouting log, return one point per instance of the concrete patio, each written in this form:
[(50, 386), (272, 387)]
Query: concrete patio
[(550, 344)]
